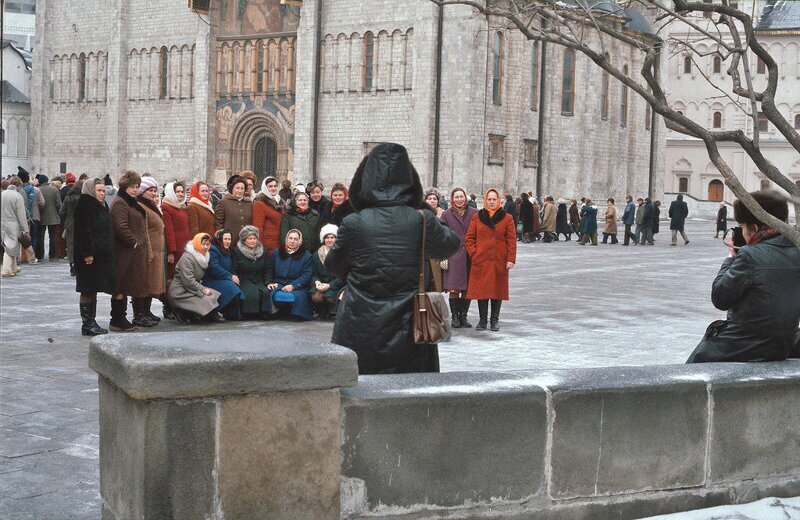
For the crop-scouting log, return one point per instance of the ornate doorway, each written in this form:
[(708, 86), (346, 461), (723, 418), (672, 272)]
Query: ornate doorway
[(265, 159), (715, 190)]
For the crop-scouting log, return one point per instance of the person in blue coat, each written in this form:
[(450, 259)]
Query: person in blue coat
[(589, 223), (629, 219), (219, 275), (294, 268)]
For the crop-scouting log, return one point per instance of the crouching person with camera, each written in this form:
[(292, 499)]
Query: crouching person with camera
[(759, 285)]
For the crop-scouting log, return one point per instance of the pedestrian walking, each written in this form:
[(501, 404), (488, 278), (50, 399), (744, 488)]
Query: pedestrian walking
[(656, 218), (678, 211), (335, 212), (455, 279), (647, 222), (234, 211), (588, 223), (13, 226), (549, 211), (155, 278), (50, 219), (325, 286), (294, 268), (378, 251), (190, 300), (492, 248), (268, 209), (200, 211), (562, 222), (639, 220), (722, 220), (300, 216), (527, 217), (610, 227), (94, 246), (574, 218), (220, 275), (629, 219), (253, 264)]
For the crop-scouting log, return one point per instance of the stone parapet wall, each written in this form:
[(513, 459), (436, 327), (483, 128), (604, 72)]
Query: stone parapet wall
[(592, 443)]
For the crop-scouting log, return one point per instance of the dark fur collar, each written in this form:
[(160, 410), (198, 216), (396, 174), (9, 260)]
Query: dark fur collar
[(130, 201), (297, 255), (269, 201), (483, 216)]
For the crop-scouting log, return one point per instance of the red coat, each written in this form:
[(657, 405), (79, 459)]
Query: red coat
[(490, 243), (176, 233), (267, 215)]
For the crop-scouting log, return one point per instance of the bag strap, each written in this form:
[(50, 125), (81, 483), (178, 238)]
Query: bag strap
[(422, 255)]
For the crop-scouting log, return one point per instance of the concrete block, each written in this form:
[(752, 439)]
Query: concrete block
[(156, 457), (756, 429), (444, 439), (279, 455), (197, 364), (618, 441)]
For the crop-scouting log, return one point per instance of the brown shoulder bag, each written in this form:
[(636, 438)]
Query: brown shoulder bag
[(431, 318)]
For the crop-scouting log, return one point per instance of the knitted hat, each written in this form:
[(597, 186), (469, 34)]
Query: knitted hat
[(42, 178), (327, 229), (146, 184), (107, 180), (248, 231), (70, 177)]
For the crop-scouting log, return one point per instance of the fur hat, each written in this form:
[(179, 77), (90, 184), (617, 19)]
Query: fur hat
[(129, 178), (235, 179), (327, 229), (247, 231)]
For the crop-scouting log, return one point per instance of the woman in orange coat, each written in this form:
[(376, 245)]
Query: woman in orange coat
[(491, 243), (199, 210)]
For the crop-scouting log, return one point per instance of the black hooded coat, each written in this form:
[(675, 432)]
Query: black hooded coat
[(377, 251)]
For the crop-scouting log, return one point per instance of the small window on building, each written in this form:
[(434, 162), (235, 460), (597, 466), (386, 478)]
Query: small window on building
[(623, 106), (763, 122), (260, 72), (717, 65), (163, 72), (62, 168), (2, 136), (797, 122), (604, 95), (568, 83), (717, 120), (369, 62), (683, 184), (531, 153), (497, 69), (496, 149), (82, 78), (761, 67), (535, 76), (687, 64)]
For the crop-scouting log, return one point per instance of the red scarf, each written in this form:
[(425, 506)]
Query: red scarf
[(194, 191), (761, 235)]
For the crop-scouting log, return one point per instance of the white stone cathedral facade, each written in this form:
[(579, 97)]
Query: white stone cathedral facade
[(303, 92)]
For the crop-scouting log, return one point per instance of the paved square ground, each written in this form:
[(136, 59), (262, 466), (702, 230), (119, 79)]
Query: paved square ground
[(571, 306)]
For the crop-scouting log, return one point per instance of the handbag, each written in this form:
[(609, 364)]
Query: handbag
[(25, 241), (430, 321), (444, 264)]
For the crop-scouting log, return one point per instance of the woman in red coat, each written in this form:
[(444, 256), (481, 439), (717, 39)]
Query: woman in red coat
[(491, 243), (176, 232), (267, 214)]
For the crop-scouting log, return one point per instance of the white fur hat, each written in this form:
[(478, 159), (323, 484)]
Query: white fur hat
[(327, 229)]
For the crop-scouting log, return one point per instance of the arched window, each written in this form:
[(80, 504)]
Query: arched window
[(717, 65), (497, 68), (604, 95), (687, 64), (683, 184), (260, 72), (717, 120), (715, 190), (82, 78), (534, 75), (797, 122), (623, 106), (568, 83), (369, 62), (163, 72)]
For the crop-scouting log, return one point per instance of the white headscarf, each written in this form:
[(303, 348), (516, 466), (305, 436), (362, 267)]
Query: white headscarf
[(277, 197), (171, 198)]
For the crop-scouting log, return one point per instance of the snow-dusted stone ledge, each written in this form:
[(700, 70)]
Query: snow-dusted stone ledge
[(621, 442)]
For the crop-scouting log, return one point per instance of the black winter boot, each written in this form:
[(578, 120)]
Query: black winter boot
[(483, 312), (88, 315), (455, 313), (119, 322), (464, 310), (495, 319), (148, 313), (140, 318)]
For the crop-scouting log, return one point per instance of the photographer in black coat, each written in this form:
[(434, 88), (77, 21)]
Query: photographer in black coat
[(759, 286), (378, 251)]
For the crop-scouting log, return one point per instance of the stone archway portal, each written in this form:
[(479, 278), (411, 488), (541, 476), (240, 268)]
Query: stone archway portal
[(260, 144), (265, 159)]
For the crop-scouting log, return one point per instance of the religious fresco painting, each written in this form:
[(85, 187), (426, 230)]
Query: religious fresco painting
[(247, 17)]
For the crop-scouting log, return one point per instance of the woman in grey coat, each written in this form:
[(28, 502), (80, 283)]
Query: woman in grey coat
[(189, 299), (14, 224)]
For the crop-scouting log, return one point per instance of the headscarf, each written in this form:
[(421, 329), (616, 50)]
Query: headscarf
[(88, 186), (217, 241), (459, 211), (171, 198), (276, 197), (194, 196), (491, 212), (250, 253), (193, 248), (300, 187), (285, 241)]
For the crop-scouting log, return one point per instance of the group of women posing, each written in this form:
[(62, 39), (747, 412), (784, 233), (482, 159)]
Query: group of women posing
[(250, 257)]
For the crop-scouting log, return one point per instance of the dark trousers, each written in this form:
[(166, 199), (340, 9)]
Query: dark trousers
[(629, 235), (38, 245), (613, 238)]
